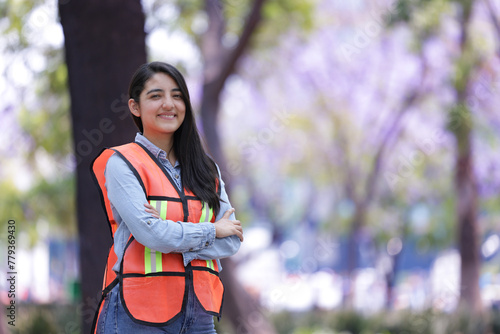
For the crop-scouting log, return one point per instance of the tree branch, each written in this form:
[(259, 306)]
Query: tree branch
[(232, 57), (211, 45), (392, 132), (494, 21)]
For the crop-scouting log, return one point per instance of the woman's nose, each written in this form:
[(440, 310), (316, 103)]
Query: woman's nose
[(168, 104)]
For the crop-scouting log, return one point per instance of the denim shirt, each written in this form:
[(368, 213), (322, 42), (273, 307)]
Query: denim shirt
[(127, 198)]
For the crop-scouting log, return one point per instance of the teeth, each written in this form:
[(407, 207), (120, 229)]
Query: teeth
[(167, 116)]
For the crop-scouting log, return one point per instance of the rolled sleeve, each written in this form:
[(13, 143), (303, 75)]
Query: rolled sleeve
[(222, 247)]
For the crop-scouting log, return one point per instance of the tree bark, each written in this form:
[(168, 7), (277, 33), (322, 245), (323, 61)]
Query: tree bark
[(468, 233), (460, 121), (104, 43)]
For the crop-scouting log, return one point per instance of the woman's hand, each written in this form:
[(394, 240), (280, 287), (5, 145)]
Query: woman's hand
[(150, 209), (226, 227)]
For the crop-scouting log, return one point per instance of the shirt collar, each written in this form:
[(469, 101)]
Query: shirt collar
[(155, 150)]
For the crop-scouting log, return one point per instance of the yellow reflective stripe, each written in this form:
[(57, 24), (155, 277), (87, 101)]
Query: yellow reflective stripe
[(163, 210), (203, 213), (147, 260), (210, 264), (159, 266), (152, 261), (206, 213), (210, 215), (152, 258), (161, 207)]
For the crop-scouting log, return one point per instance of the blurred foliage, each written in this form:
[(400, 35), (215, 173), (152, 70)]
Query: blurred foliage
[(400, 322), (43, 142), (279, 16), (47, 319), (416, 10), (17, 13)]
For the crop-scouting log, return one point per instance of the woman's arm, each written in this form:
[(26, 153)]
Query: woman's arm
[(222, 247), (166, 236)]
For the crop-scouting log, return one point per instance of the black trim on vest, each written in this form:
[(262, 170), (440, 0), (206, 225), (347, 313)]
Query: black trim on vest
[(182, 196), (193, 198), (213, 272), (215, 314), (101, 195), (164, 198), (161, 273), (124, 250), (98, 309), (132, 168), (189, 269)]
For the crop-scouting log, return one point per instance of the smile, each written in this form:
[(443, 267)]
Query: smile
[(167, 116)]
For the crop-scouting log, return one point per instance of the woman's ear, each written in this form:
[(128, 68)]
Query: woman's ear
[(134, 107)]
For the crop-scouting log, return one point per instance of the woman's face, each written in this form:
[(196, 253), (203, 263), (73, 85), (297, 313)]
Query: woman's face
[(161, 107)]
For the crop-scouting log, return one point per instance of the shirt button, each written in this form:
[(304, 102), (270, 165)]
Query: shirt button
[(207, 243), (148, 222), (190, 249), (176, 176)]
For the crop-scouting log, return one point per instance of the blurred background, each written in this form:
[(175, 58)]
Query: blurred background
[(359, 142)]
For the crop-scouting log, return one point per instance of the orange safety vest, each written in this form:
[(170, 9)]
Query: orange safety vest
[(153, 285)]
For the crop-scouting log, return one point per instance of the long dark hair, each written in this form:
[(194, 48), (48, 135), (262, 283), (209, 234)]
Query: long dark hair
[(198, 170)]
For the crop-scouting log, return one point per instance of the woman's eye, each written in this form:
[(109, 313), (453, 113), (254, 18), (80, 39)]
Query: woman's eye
[(178, 96)]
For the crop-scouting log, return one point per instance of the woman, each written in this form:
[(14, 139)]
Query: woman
[(169, 215)]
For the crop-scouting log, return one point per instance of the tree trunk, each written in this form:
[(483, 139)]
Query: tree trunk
[(460, 122), (353, 240), (209, 116), (468, 238), (105, 43), (391, 276)]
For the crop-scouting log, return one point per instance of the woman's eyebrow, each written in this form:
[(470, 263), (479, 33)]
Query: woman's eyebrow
[(154, 90)]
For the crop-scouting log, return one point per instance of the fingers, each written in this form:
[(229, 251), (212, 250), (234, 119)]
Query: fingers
[(228, 213), (239, 233), (239, 229), (228, 227), (150, 209), (149, 206)]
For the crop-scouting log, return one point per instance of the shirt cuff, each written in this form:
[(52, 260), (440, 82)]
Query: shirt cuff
[(188, 257), (208, 231), (208, 241)]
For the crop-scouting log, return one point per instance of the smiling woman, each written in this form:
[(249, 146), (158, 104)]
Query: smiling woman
[(169, 214), (161, 110)]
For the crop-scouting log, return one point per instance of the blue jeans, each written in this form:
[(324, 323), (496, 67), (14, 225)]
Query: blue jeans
[(114, 320)]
